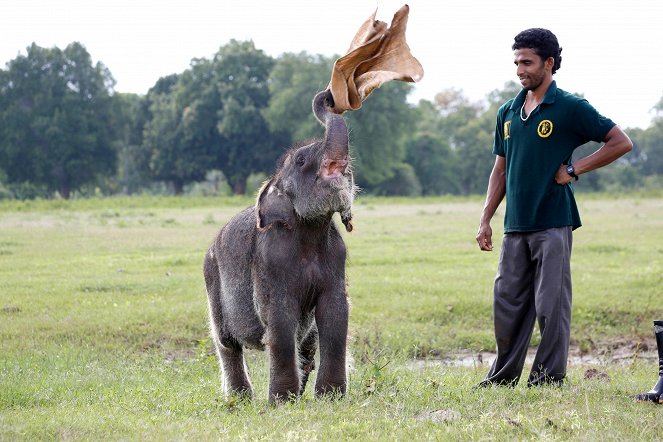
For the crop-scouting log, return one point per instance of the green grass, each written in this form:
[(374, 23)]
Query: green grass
[(103, 327)]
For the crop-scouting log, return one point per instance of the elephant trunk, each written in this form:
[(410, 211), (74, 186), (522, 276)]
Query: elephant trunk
[(336, 134)]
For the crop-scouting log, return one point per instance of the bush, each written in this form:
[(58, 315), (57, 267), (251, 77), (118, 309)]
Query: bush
[(403, 183), (28, 191), (215, 184)]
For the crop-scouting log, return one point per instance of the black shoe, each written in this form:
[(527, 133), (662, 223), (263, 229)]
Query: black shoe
[(647, 397), (544, 380), (656, 394), (511, 383)]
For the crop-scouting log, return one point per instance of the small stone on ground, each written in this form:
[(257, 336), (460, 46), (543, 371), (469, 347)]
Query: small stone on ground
[(440, 416)]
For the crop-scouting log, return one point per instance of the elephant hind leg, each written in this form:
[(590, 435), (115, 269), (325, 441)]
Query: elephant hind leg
[(233, 366), (229, 351), (307, 351), (235, 376)]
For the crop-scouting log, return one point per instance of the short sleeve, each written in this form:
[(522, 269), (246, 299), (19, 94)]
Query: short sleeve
[(498, 142), (589, 124)]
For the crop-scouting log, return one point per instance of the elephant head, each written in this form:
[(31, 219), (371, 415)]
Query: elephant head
[(313, 180)]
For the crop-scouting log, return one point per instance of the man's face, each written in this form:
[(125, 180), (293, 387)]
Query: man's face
[(531, 70)]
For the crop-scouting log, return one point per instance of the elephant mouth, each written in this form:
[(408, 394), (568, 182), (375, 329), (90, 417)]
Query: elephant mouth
[(332, 169)]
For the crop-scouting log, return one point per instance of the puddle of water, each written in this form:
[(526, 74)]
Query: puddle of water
[(484, 359)]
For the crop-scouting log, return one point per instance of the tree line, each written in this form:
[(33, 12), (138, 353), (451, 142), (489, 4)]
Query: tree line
[(220, 126)]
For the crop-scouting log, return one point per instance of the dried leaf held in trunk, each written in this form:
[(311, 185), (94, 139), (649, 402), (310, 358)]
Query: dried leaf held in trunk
[(376, 55)]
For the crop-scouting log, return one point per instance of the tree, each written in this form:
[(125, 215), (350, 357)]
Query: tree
[(293, 82), (649, 145), (129, 118), (404, 182), (474, 142), (241, 75), (181, 135), (467, 129), (55, 113), (211, 117), (378, 133), (658, 107), (473, 138), (434, 164), (162, 138), (498, 97)]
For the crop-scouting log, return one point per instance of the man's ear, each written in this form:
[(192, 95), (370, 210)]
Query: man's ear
[(273, 206), (550, 63)]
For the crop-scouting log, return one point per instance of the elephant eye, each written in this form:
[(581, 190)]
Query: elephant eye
[(299, 160)]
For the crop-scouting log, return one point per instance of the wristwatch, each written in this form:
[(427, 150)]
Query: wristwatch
[(571, 171)]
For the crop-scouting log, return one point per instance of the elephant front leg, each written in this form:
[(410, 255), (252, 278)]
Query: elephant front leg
[(331, 316), (284, 379)]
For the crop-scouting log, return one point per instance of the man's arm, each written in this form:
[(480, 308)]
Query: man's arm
[(617, 143), (494, 196)]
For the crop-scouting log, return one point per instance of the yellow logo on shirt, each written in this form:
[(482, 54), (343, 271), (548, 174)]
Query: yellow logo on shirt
[(545, 128), (507, 129)]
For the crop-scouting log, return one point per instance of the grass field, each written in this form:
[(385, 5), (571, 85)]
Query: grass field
[(103, 327)]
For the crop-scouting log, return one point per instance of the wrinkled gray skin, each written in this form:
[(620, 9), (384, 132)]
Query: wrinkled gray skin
[(275, 274)]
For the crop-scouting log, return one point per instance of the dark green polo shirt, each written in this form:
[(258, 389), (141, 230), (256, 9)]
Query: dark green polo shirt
[(534, 149)]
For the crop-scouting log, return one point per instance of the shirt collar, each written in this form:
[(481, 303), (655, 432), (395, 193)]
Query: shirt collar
[(550, 96)]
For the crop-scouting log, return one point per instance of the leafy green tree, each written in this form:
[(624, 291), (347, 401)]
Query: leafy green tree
[(162, 140), (498, 97), (378, 132), (129, 119), (404, 182), (293, 82), (55, 114), (434, 164), (211, 117), (241, 74), (179, 150), (455, 111), (467, 129), (649, 146), (181, 134), (658, 107), (474, 142)]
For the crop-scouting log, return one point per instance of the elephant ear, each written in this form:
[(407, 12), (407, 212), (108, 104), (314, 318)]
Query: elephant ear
[(274, 207)]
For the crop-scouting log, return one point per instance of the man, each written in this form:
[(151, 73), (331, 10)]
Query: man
[(535, 135)]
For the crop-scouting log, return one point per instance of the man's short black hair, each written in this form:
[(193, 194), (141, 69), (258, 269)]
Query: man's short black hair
[(541, 41)]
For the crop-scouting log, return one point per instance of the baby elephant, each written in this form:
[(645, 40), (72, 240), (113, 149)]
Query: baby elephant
[(275, 274)]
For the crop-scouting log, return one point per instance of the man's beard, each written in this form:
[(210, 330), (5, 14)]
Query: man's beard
[(535, 82)]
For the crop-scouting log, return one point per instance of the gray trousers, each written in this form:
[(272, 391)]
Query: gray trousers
[(533, 283)]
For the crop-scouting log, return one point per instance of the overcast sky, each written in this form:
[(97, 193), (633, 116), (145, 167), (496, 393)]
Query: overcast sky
[(612, 51)]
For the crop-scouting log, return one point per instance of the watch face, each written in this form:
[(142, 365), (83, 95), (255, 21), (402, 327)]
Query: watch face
[(571, 171)]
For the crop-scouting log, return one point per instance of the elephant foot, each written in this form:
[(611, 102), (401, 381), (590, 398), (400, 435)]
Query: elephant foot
[(330, 389)]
